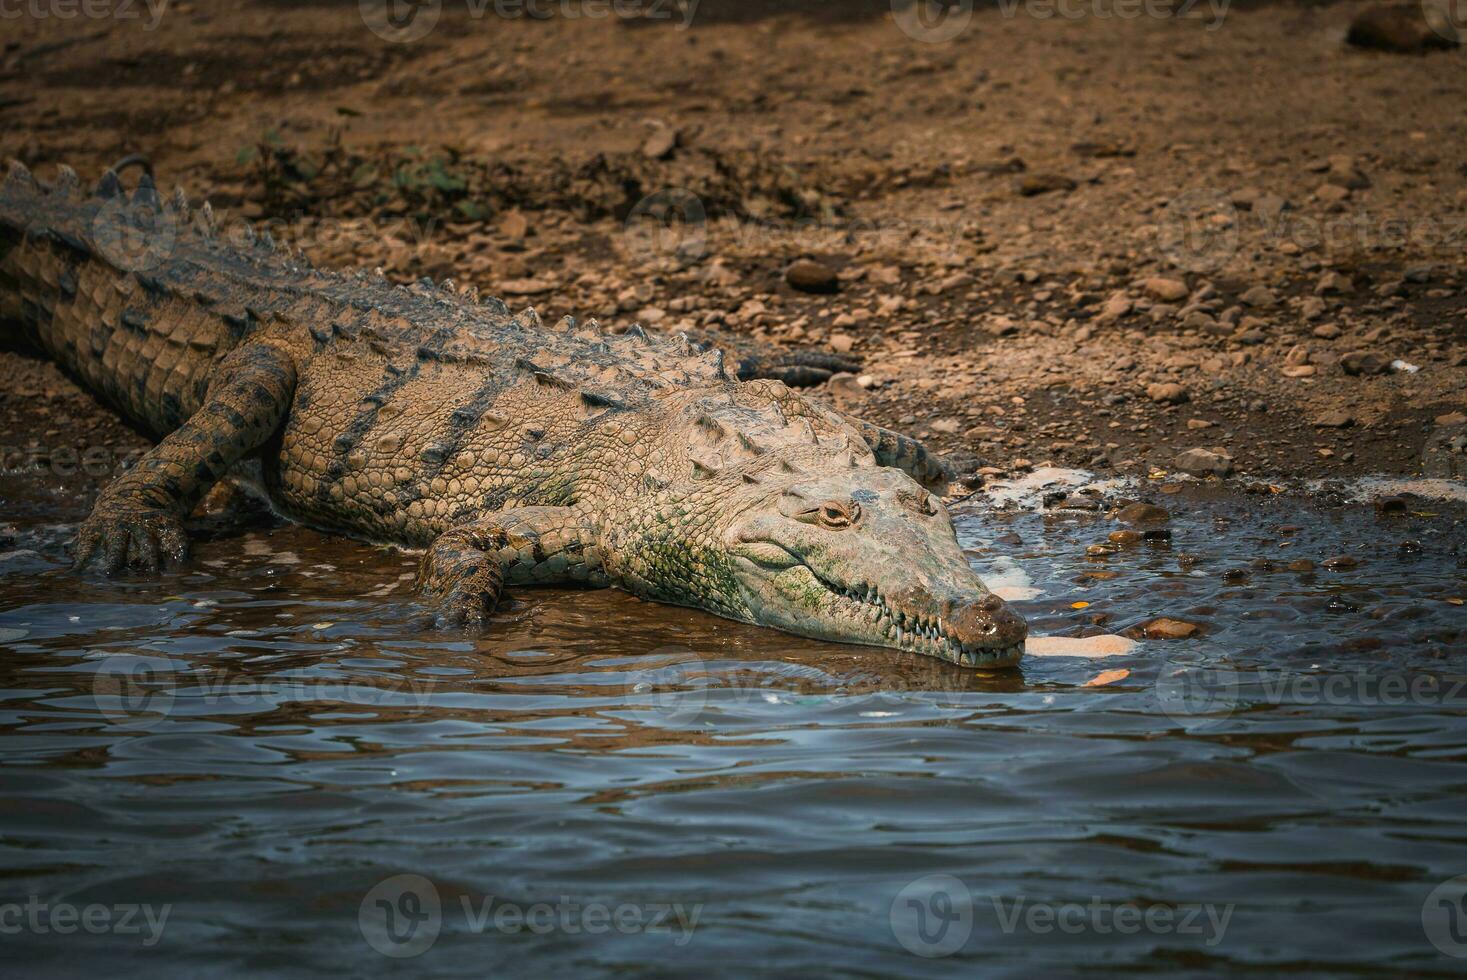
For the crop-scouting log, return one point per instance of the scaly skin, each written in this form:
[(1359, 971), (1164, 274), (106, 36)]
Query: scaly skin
[(513, 454)]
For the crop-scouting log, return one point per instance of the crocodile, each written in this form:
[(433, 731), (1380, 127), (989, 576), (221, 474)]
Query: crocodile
[(510, 451)]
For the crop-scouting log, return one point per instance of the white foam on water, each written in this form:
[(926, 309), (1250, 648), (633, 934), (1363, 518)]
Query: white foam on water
[(1368, 488), (1007, 580), (1029, 490)]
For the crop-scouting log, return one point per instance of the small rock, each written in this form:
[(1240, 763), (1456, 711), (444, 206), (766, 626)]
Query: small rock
[(1196, 424), (1259, 296), (1203, 462), (514, 225), (1031, 185), (946, 426), (1335, 420), (1327, 331), (844, 386), (1167, 393), (842, 343), (1301, 565), (811, 276), (1117, 306), (660, 144), (1341, 562), (526, 287), (1166, 290), (1391, 505), (1141, 513), (1401, 29), (1299, 371), (1359, 362), (1451, 418), (1125, 537), (1164, 628), (1333, 282)]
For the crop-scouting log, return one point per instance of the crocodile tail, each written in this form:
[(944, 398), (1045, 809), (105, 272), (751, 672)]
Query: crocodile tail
[(84, 280)]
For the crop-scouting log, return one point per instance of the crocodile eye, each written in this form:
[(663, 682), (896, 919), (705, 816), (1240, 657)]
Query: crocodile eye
[(836, 514)]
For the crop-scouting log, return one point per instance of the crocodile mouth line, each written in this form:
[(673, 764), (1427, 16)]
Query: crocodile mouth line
[(915, 632)]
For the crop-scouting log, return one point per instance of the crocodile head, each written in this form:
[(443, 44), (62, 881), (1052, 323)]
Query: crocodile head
[(865, 555)]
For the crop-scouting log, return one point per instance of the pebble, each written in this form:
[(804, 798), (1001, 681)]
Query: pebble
[(1034, 184), (1301, 565), (1359, 362), (1300, 371), (1259, 296), (1117, 306), (1203, 462), (1167, 393), (1166, 290), (660, 144), (1340, 563), (843, 385), (810, 276), (1327, 331), (1400, 29), (1335, 420), (1333, 282), (1139, 513), (1164, 628), (841, 343)]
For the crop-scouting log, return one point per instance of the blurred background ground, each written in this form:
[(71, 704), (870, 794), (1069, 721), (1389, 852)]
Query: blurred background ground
[(1093, 234)]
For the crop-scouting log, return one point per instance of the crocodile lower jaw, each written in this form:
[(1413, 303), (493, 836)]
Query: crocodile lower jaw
[(915, 634)]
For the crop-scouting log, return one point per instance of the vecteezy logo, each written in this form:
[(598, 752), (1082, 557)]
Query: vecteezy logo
[(932, 21), (677, 686), (933, 916), (1197, 690), (1199, 230), (134, 235), (401, 916), (1444, 917), (131, 691), (1447, 18), (668, 224), (400, 21)]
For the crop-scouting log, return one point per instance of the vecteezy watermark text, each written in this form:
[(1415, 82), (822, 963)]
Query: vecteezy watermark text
[(40, 917), (404, 915), (134, 691), (934, 916), (1202, 691), (153, 10)]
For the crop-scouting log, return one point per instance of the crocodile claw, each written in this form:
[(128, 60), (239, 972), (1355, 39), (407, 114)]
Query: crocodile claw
[(128, 535)]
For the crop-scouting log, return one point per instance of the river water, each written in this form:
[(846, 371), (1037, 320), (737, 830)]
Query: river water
[(268, 762)]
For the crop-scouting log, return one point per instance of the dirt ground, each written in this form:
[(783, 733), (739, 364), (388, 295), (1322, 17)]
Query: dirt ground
[(1097, 240)]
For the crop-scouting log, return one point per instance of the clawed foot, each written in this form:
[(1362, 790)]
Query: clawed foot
[(463, 587), (130, 535)]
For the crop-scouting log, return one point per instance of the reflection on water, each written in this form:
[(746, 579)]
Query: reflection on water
[(268, 762)]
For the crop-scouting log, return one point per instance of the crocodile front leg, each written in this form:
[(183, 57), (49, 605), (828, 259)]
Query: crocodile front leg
[(138, 520), (465, 569)]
